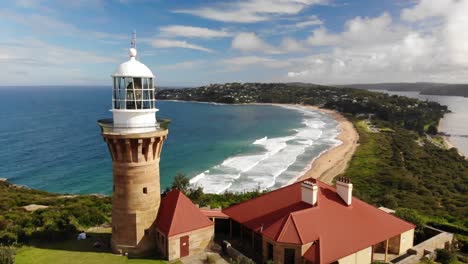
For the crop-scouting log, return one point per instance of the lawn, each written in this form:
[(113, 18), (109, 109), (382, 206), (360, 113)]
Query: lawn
[(27, 255), (75, 252)]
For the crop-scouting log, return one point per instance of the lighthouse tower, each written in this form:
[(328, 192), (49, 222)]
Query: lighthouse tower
[(135, 141)]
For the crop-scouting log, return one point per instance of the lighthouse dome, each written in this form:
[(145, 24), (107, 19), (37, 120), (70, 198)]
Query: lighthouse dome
[(132, 67)]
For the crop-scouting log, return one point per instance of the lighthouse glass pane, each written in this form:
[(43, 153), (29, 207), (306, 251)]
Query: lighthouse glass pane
[(122, 92), (130, 94)]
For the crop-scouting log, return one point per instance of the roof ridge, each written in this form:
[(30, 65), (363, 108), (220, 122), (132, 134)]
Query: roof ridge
[(266, 193), (297, 229), (173, 215), (282, 227)]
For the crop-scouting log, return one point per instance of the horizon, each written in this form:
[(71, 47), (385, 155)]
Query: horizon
[(197, 86), (191, 44)]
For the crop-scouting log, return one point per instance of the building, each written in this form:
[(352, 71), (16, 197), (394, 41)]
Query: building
[(181, 228), (141, 221), (312, 222), (306, 222), (135, 141)]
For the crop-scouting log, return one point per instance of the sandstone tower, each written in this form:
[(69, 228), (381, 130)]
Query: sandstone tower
[(135, 139)]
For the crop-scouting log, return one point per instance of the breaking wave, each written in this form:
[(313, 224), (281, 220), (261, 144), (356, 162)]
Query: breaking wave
[(279, 160)]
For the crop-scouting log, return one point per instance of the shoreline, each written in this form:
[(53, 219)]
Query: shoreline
[(448, 144), (333, 161)]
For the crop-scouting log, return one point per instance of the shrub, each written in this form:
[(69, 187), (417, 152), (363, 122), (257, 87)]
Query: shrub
[(210, 259), (7, 255), (445, 256)]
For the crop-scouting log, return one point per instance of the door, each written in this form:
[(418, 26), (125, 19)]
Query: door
[(184, 246)]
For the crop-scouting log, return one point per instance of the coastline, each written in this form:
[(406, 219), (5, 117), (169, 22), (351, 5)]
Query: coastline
[(334, 161), (331, 162), (448, 144)]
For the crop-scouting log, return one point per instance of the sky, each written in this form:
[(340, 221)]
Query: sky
[(192, 43)]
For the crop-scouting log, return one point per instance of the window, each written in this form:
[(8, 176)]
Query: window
[(270, 252), (289, 255), (133, 93), (145, 190)]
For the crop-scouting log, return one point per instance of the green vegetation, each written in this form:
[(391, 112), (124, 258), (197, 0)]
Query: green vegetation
[(445, 256), (396, 165), (73, 251), (393, 170), (196, 194), (397, 110), (62, 219), (7, 255), (28, 255)]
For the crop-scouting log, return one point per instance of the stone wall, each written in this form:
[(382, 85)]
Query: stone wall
[(279, 248), (136, 190), (439, 241), (199, 241)]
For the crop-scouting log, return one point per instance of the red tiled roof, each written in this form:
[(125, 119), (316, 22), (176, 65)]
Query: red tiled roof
[(216, 213), (177, 214), (340, 229)]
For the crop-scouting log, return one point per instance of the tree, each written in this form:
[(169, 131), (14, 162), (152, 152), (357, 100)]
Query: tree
[(181, 182), (414, 217), (432, 130)]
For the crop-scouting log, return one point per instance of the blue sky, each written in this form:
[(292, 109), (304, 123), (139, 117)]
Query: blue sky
[(189, 43)]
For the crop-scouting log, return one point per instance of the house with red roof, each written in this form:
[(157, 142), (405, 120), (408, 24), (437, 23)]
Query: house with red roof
[(312, 222), (181, 228), (306, 222)]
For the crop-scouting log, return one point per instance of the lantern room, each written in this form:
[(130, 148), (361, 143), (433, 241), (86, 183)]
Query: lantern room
[(133, 94)]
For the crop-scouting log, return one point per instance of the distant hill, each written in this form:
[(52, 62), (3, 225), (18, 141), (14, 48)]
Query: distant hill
[(422, 87)]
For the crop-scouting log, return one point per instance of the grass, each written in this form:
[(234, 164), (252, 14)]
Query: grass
[(74, 252), (368, 160)]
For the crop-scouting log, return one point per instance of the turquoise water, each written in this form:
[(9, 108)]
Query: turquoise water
[(50, 140)]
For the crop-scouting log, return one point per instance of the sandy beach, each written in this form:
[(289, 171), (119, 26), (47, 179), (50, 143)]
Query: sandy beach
[(335, 161), (447, 142)]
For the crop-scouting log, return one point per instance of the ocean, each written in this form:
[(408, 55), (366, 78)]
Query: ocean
[(455, 123), (50, 140)]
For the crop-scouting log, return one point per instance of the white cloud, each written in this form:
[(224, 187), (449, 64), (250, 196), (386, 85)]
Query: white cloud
[(184, 65), (169, 43), (251, 11), (250, 42), (364, 31), (321, 37), (193, 32), (32, 61), (292, 45), (379, 49), (427, 9), (456, 30), (239, 63), (42, 24), (310, 22)]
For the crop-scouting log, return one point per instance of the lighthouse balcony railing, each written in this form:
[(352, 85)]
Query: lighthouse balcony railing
[(107, 125)]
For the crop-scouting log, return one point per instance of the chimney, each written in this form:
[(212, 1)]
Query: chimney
[(309, 192), (344, 188)]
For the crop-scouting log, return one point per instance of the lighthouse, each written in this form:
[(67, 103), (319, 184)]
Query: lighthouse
[(135, 139)]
